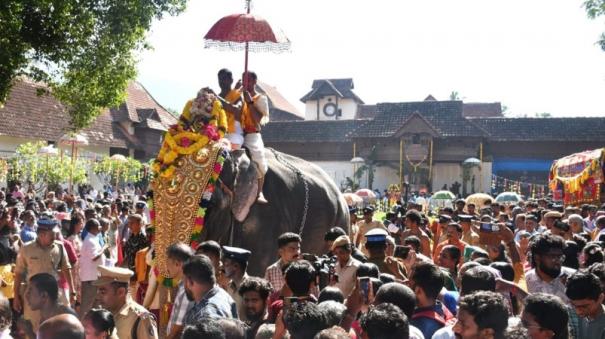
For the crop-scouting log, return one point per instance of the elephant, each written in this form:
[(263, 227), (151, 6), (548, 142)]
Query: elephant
[(302, 199)]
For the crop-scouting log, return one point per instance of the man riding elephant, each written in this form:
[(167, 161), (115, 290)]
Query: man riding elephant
[(254, 114), (231, 98)]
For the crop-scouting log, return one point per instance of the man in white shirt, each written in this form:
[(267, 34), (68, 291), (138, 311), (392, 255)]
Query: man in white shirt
[(177, 255), (91, 257)]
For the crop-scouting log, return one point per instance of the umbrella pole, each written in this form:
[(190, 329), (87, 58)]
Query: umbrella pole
[(246, 66), (245, 80)]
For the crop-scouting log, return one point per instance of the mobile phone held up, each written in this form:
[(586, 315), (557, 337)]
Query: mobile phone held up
[(402, 252), (488, 227), (290, 301), (365, 285)]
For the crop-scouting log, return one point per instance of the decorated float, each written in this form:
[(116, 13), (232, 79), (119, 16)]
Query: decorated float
[(578, 178)]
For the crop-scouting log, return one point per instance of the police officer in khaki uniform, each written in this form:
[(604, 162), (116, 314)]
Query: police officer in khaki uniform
[(132, 320), (367, 224), (44, 255), (235, 262), (376, 244)]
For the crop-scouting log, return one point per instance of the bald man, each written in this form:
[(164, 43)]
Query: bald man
[(64, 326)]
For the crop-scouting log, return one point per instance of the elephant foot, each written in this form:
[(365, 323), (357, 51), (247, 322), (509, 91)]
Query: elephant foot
[(261, 199)]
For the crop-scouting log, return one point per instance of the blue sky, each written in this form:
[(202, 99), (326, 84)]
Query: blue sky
[(533, 56)]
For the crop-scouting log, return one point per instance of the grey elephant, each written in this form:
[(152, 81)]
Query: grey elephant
[(302, 199)]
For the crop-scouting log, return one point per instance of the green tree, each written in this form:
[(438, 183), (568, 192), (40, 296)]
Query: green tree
[(42, 171), (368, 168), (455, 95), (173, 111), (543, 115), (114, 171), (349, 183), (83, 49), (595, 9)]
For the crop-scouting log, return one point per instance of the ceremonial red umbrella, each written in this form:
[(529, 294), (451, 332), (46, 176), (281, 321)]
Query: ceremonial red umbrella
[(246, 32)]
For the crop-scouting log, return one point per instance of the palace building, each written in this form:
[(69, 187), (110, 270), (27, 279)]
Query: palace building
[(429, 144)]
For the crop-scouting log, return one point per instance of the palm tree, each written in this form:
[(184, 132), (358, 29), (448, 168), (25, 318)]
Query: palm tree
[(369, 167)]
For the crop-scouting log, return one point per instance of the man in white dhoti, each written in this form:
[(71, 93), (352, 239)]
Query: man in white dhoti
[(254, 114)]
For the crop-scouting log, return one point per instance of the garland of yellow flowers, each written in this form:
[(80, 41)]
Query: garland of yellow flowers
[(178, 142), (198, 226)]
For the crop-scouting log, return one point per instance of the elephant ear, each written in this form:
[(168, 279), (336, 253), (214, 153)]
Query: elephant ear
[(245, 185)]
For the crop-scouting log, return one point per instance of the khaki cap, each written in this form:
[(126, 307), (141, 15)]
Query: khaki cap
[(341, 241), (113, 274), (553, 214)]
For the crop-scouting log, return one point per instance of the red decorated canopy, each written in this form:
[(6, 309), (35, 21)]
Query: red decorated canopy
[(236, 31), (577, 178), (246, 32)]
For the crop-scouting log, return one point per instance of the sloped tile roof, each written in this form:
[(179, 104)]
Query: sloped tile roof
[(279, 115), (445, 117), (342, 88), (104, 132), (543, 129), (27, 115), (311, 131), (280, 108), (482, 110), (137, 97), (366, 111)]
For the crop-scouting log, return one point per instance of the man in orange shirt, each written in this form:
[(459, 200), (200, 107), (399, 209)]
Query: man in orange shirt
[(231, 100), (454, 234)]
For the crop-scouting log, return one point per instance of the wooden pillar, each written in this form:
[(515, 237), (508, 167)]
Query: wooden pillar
[(481, 167), (164, 299), (401, 176), (430, 164)]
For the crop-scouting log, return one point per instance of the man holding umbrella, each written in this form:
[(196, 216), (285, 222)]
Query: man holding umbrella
[(254, 114)]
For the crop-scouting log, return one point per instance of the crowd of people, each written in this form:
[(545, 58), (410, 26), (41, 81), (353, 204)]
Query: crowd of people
[(82, 267)]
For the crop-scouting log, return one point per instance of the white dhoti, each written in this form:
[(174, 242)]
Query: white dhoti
[(254, 143), (236, 138)]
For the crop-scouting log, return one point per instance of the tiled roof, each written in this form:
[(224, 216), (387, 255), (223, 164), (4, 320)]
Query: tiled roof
[(27, 115), (138, 98), (445, 117), (482, 110), (104, 132), (366, 111), (342, 88), (279, 115), (341, 84), (543, 129), (310, 130), (280, 108)]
